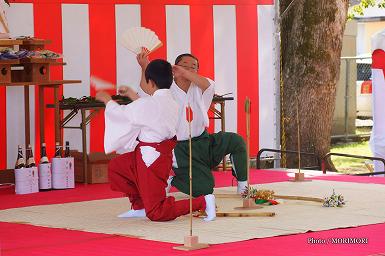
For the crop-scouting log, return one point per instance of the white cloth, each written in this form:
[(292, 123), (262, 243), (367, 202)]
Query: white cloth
[(377, 138), (148, 119), (200, 103)]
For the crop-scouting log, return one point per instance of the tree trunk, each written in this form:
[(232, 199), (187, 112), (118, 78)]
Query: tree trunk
[(311, 42)]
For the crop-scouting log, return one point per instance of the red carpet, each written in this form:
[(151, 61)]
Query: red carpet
[(19, 239)]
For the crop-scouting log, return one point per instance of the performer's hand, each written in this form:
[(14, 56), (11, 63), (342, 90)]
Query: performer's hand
[(180, 72), (128, 92), (142, 58), (103, 97)]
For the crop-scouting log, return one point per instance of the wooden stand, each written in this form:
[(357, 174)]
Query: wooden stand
[(248, 204), (191, 243), (33, 72), (299, 176)]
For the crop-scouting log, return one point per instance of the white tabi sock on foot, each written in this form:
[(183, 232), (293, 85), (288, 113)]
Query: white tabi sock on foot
[(210, 207), (242, 187), (133, 214), (169, 184)]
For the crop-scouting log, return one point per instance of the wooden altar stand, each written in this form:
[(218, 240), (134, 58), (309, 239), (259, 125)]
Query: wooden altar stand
[(29, 72)]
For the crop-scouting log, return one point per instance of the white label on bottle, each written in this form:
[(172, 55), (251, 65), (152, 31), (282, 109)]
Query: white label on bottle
[(26, 180), (45, 176), (63, 173)]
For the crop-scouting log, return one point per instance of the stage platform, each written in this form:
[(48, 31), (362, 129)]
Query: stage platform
[(64, 209)]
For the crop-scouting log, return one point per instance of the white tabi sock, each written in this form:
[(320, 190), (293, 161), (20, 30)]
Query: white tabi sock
[(169, 184), (133, 214), (242, 187), (210, 207)]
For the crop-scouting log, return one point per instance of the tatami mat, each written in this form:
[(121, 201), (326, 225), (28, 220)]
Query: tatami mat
[(365, 205)]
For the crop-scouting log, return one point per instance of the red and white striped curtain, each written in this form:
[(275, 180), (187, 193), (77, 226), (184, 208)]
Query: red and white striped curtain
[(235, 42)]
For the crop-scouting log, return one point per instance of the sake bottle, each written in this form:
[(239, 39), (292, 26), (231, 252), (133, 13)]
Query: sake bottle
[(30, 158), (43, 154), (20, 159), (67, 150), (58, 150)]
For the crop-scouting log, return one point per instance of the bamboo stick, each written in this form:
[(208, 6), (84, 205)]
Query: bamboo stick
[(298, 136), (190, 165), (245, 214), (247, 110), (301, 198)]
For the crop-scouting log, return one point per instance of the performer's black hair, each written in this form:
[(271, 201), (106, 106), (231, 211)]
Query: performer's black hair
[(160, 72), (179, 58)]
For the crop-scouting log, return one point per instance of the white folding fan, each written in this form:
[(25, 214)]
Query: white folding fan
[(137, 37)]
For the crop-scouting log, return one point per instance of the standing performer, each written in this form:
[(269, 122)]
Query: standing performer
[(145, 129), (208, 149)]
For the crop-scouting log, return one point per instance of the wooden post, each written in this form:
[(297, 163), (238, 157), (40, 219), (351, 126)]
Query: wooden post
[(248, 203), (299, 176), (223, 128), (298, 137), (84, 145), (247, 110), (41, 114), (190, 242), (57, 114), (26, 115), (189, 118)]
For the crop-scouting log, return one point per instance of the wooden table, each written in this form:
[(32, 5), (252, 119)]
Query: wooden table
[(55, 84), (32, 71), (74, 109), (94, 108)]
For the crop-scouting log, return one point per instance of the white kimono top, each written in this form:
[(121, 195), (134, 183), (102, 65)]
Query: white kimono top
[(148, 119), (200, 103)]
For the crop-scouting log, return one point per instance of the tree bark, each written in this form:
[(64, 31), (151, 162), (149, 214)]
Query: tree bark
[(311, 42)]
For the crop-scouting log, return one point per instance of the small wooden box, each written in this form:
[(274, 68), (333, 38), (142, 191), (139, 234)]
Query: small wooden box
[(5, 70), (34, 44), (36, 70), (97, 166)]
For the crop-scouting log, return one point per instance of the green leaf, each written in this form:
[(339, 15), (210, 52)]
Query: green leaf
[(364, 4)]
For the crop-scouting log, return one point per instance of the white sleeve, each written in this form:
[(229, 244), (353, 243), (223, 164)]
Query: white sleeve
[(141, 93), (208, 94), (121, 129), (204, 99)]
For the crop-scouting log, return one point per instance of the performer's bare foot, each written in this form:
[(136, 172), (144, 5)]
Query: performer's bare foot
[(133, 214), (210, 207), (242, 187)]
